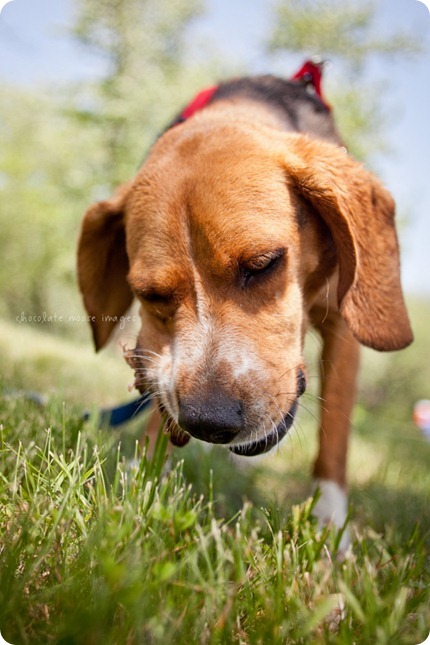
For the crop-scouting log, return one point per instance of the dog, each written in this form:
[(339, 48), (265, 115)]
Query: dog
[(247, 223)]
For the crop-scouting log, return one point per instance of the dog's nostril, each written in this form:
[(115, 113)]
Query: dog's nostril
[(301, 383), (216, 420)]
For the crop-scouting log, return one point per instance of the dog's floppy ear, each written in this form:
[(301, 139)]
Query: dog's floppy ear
[(103, 265), (359, 212)]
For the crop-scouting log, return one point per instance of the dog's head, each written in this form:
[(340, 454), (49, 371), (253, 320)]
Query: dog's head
[(227, 237)]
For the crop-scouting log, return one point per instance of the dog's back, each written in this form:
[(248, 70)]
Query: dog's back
[(295, 103)]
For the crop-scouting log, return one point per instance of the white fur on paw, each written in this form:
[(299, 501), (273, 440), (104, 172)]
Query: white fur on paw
[(332, 507)]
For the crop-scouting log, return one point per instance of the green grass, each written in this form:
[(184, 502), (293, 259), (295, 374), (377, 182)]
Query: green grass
[(93, 551)]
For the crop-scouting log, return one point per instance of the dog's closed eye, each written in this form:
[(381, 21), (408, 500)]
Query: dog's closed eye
[(259, 267), (161, 305), (156, 297)]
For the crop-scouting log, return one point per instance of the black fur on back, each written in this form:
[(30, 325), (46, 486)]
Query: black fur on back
[(301, 109)]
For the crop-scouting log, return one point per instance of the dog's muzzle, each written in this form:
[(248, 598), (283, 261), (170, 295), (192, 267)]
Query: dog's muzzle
[(219, 419)]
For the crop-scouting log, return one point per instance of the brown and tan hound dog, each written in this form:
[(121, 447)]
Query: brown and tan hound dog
[(247, 223)]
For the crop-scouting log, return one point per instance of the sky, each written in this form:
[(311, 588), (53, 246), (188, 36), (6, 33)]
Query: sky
[(35, 49)]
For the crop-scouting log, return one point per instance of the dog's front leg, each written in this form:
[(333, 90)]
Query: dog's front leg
[(339, 367)]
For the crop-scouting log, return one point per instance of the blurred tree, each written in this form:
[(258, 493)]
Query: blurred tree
[(343, 31), (38, 185), (143, 44)]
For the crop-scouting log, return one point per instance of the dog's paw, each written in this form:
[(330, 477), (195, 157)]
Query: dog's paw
[(332, 508)]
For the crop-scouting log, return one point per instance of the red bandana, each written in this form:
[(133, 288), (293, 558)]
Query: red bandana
[(311, 74), (198, 102)]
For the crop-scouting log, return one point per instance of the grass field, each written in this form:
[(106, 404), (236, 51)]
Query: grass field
[(93, 550)]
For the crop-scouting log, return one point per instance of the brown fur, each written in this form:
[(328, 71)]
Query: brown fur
[(219, 198)]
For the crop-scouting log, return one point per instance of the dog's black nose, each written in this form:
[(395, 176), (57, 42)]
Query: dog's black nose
[(216, 419)]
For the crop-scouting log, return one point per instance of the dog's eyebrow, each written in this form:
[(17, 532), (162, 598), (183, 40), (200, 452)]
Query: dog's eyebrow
[(154, 295), (156, 285), (151, 292), (150, 272), (145, 287), (137, 284), (262, 257)]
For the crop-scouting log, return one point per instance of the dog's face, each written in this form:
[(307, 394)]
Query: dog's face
[(227, 249), (220, 270)]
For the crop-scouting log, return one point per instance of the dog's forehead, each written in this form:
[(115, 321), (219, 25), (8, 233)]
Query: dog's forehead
[(220, 201)]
